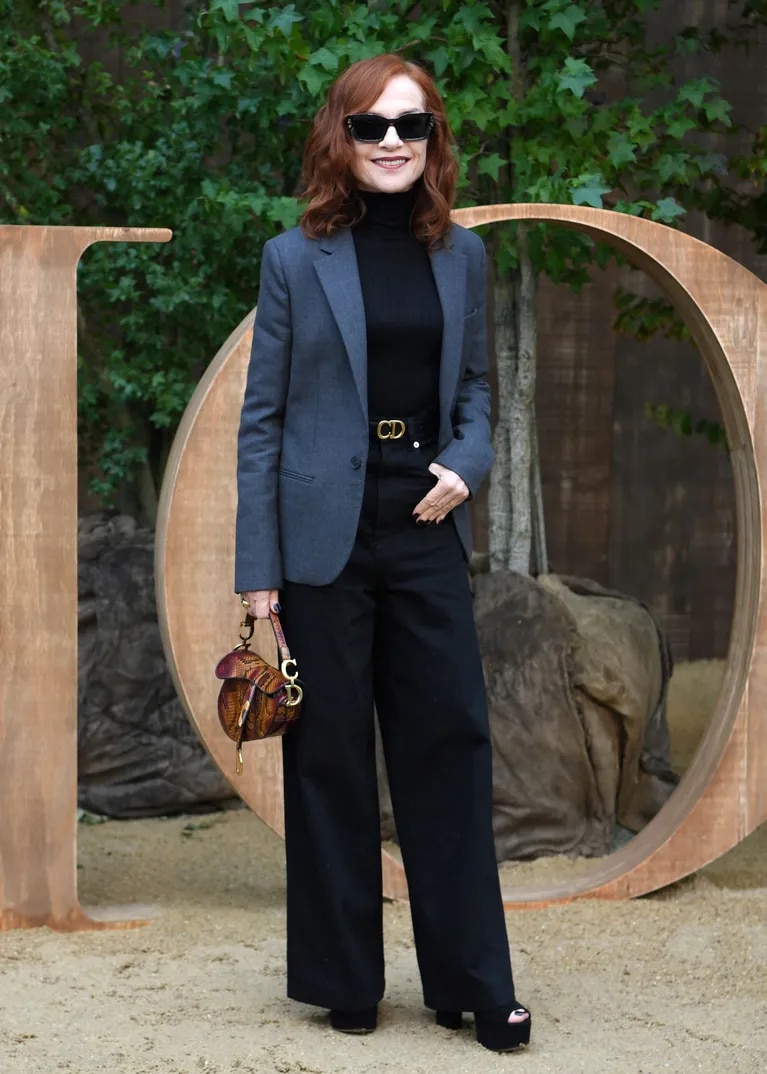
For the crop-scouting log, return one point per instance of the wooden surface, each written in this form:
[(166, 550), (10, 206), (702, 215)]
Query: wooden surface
[(723, 795), (38, 565)]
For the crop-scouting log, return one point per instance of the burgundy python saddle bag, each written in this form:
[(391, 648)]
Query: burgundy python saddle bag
[(257, 700)]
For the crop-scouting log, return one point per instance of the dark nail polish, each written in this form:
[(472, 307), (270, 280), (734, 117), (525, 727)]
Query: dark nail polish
[(276, 607)]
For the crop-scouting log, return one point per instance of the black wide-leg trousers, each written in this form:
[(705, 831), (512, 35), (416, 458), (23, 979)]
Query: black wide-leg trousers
[(394, 630)]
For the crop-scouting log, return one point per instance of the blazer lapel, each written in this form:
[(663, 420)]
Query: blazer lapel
[(339, 276), (449, 269), (338, 273)]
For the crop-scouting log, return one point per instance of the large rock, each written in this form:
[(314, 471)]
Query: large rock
[(576, 678), (137, 752), (622, 667)]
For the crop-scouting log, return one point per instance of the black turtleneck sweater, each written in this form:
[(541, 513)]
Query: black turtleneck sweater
[(402, 309)]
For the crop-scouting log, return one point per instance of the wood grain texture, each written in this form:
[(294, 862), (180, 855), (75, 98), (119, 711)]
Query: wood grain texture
[(721, 797), (38, 566)]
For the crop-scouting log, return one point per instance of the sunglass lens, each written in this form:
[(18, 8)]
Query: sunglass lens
[(367, 128), (413, 127)]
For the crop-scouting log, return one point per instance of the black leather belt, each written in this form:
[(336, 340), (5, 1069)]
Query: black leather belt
[(417, 431)]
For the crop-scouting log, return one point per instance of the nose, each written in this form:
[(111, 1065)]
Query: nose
[(391, 139)]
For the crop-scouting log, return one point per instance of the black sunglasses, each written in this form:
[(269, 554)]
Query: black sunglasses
[(412, 127)]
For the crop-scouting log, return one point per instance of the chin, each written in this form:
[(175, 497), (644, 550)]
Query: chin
[(393, 188), (380, 182), (391, 184)]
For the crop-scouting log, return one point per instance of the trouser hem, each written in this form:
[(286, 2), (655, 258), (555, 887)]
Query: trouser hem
[(317, 997)]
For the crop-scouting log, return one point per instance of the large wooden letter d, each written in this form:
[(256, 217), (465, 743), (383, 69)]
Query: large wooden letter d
[(38, 566)]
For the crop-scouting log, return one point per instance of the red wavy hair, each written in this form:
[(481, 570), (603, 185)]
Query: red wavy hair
[(330, 184)]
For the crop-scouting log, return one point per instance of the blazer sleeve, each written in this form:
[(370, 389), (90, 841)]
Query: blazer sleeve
[(470, 453), (258, 560)]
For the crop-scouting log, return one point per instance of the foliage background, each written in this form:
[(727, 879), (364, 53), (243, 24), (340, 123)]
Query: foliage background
[(104, 120)]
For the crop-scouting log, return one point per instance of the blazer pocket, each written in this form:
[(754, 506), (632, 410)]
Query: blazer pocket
[(294, 475)]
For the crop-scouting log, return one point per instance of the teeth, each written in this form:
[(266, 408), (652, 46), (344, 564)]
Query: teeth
[(390, 163)]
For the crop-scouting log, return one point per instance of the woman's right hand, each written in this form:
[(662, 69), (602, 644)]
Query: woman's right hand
[(261, 601)]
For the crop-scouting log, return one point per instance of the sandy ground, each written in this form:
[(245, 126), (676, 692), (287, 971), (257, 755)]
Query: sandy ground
[(673, 982)]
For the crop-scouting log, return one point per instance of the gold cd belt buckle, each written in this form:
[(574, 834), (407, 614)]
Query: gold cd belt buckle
[(390, 429)]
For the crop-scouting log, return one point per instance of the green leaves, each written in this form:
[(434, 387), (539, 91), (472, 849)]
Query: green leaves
[(683, 423), (204, 133), (568, 20), (439, 58), (569, 137), (621, 149), (229, 9), (590, 191), (643, 318), (314, 79), (667, 210), (576, 76), (490, 165), (695, 91), (285, 20), (324, 58)]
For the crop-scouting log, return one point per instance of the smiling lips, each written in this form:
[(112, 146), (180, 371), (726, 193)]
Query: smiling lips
[(390, 162)]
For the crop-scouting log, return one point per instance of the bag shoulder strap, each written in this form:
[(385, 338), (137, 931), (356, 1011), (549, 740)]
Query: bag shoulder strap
[(250, 622), (282, 644)]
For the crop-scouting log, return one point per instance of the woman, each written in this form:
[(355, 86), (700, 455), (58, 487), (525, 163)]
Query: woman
[(364, 430)]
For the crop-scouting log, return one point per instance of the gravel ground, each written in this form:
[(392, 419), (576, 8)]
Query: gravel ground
[(676, 981)]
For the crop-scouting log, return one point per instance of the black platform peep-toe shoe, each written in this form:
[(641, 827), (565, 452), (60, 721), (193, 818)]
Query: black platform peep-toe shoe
[(363, 1021), (493, 1028)]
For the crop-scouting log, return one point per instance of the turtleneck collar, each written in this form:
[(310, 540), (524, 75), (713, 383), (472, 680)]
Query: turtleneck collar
[(388, 212)]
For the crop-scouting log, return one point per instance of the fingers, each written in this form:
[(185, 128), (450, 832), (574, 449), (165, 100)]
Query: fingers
[(449, 491), (429, 510), (260, 606), (260, 601)]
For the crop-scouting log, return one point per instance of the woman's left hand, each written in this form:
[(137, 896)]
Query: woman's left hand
[(449, 491)]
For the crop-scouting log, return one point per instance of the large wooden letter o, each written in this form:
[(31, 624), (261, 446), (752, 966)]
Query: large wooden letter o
[(723, 795)]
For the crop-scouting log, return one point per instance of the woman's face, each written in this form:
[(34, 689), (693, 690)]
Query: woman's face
[(392, 165)]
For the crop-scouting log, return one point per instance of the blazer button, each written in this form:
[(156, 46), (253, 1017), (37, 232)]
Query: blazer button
[(356, 462)]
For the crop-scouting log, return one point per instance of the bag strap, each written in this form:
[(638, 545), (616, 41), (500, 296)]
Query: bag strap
[(249, 623), (282, 644)]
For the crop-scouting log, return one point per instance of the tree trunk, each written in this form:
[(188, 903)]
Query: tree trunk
[(146, 491), (523, 401), (540, 549), (499, 499), (513, 482), (515, 505)]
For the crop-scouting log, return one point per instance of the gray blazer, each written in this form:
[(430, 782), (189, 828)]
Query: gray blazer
[(303, 438)]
